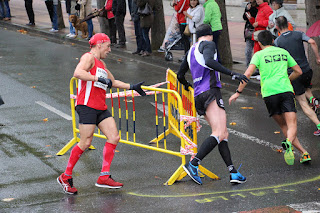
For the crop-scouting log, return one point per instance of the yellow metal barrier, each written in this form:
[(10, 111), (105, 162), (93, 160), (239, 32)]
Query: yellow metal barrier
[(178, 113)]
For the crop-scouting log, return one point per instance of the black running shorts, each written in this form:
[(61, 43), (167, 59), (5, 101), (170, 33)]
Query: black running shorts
[(280, 103), (204, 99), (88, 115), (302, 83)]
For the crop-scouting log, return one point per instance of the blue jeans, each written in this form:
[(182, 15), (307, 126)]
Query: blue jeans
[(5, 12), (90, 28), (139, 37), (71, 28), (145, 36), (55, 18)]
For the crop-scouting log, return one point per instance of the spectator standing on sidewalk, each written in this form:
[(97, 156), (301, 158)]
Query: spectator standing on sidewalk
[(260, 22), (111, 22), (195, 17), (52, 10), (250, 11), (145, 24), (180, 6), (70, 8), (292, 41), (30, 13), (119, 9), (279, 11), (85, 10), (137, 29), (5, 10), (212, 16)]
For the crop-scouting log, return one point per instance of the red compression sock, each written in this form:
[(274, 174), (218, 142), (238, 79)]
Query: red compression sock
[(108, 153), (74, 157)]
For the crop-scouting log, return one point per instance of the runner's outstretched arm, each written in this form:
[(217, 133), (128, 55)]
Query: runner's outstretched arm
[(208, 54), (241, 86), (315, 49)]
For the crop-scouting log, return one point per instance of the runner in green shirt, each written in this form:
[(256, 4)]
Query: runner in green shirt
[(277, 91)]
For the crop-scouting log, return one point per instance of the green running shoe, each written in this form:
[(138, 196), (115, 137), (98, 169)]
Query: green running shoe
[(305, 158), (288, 155)]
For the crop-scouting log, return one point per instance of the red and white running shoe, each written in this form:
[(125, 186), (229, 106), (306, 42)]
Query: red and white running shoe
[(106, 181), (67, 184)]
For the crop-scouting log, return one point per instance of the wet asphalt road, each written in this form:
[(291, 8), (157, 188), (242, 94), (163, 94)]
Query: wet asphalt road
[(34, 69)]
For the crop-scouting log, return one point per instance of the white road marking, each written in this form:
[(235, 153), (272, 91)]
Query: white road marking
[(310, 207), (52, 109)]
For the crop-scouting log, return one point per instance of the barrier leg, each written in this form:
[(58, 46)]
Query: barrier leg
[(208, 173), (175, 176), (68, 146), (182, 175)]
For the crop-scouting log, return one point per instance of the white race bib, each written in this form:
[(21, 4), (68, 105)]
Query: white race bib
[(101, 73)]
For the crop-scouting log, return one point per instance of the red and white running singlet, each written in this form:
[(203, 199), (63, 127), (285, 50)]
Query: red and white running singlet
[(93, 94)]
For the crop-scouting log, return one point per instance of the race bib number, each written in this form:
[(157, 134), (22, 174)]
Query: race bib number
[(101, 73)]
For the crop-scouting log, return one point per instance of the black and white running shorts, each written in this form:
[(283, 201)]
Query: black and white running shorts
[(88, 115)]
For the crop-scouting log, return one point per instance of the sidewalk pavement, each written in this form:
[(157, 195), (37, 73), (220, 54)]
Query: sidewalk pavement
[(43, 25)]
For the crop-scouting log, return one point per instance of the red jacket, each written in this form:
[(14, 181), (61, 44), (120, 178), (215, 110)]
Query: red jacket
[(182, 5), (108, 8), (264, 11)]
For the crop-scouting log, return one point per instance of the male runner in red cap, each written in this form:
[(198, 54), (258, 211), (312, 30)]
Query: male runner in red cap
[(94, 79)]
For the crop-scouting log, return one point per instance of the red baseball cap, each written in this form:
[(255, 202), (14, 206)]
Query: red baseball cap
[(98, 38)]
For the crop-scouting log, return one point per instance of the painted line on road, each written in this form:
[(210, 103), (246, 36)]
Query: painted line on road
[(311, 207), (317, 178), (54, 110)]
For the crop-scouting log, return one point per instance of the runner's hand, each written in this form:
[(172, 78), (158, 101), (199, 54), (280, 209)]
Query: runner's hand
[(137, 87), (108, 82), (233, 98), (240, 77), (187, 85)]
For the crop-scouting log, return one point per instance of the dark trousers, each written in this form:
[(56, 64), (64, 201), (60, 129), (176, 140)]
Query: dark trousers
[(112, 30), (120, 29), (130, 5), (139, 37), (216, 35), (49, 5), (145, 35), (184, 39), (29, 9)]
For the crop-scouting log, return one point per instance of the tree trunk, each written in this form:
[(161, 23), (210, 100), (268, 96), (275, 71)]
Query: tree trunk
[(158, 29), (313, 15), (60, 16), (104, 26), (224, 40)]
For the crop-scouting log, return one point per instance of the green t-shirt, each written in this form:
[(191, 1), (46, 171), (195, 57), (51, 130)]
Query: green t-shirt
[(273, 64)]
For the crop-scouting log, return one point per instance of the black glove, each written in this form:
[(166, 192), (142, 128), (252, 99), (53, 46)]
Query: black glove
[(137, 87), (108, 82), (240, 77), (187, 85)]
